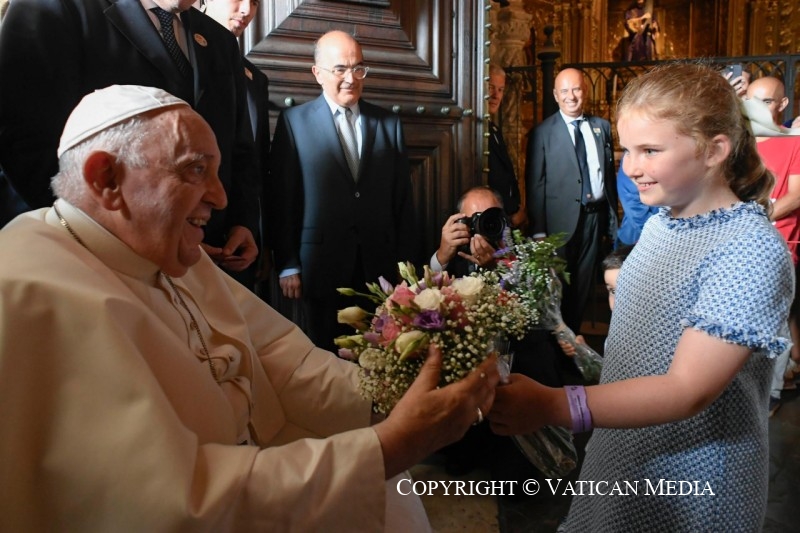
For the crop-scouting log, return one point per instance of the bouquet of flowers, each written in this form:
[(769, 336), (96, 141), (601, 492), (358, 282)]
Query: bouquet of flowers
[(462, 316), (531, 269)]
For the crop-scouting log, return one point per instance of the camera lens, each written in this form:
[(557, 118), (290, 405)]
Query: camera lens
[(491, 224)]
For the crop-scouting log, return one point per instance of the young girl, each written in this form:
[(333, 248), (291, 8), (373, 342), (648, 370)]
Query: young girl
[(701, 308)]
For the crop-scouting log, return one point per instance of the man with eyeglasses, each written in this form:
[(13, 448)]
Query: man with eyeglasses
[(342, 210)]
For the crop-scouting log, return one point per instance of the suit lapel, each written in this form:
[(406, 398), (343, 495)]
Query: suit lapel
[(198, 48), (130, 19), (369, 126), (252, 94), (502, 149), (563, 138), (330, 135)]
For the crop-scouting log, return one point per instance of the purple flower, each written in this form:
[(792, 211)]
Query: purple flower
[(372, 337), (430, 320), (386, 287), (378, 322)]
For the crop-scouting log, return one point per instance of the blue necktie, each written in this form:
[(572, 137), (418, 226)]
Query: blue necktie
[(168, 34), (580, 152)]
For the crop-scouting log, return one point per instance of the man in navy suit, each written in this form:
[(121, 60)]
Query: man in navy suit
[(53, 52), (338, 220), (572, 195)]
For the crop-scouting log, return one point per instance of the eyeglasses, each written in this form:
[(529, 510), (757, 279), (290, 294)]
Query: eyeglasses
[(359, 72)]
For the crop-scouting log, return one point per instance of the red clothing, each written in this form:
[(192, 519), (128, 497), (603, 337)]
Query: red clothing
[(782, 156)]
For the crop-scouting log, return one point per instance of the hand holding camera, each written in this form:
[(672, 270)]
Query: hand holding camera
[(474, 237)]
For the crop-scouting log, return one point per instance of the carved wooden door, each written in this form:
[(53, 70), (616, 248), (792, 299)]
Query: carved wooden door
[(426, 64)]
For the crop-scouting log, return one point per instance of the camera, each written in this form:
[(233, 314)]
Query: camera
[(490, 224)]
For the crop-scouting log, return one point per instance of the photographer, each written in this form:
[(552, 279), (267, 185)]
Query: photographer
[(469, 240), (481, 209)]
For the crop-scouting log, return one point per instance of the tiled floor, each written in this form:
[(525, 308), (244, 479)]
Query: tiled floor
[(542, 513)]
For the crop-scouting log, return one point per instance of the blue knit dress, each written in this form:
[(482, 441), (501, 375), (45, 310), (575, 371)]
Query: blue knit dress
[(729, 274)]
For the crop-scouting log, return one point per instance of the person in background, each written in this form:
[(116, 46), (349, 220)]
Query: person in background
[(92, 44), (634, 212), (699, 317), (460, 253), (572, 189), (341, 212), (236, 15), (781, 155), (164, 395), (11, 204), (502, 177), (739, 83), (611, 266)]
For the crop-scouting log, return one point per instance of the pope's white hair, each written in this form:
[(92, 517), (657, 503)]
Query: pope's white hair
[(122, 140)]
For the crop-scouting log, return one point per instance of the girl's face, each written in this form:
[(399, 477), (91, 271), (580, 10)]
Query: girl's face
[(666, 168)]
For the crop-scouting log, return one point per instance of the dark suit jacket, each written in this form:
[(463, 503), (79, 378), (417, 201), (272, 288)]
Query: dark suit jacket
[(553, 177), (502, 177), (322, 217), (53, 52), (258, 105)]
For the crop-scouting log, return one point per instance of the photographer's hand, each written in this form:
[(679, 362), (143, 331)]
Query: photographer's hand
[(454, 234), (482, 252)]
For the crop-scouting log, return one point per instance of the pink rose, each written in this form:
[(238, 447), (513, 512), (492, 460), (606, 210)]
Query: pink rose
[(402, 295), (390, 331)]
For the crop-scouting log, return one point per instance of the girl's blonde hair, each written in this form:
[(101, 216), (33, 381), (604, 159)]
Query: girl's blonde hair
[(701, 103)]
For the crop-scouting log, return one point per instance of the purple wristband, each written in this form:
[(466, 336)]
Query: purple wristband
[(578, 410)]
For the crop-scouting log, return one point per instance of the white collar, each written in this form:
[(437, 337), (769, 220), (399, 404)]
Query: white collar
[(335, 107)]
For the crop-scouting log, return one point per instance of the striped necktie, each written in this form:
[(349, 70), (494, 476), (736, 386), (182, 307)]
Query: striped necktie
[(347, 136)]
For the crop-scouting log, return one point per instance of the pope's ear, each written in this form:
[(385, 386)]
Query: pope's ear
[(100, 172)]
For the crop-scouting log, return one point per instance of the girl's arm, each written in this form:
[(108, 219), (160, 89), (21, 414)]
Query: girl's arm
[(701, 369)]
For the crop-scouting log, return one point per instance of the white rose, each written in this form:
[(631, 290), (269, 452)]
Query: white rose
[(429, 299), (468, 288)]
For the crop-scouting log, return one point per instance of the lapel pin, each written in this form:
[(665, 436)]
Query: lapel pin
[(199, 39), (596, 131), (248, 73)]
